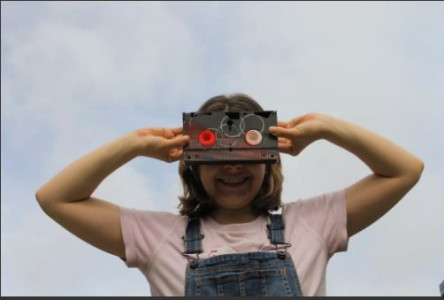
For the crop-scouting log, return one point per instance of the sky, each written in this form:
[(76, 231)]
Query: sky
[(76, 75)]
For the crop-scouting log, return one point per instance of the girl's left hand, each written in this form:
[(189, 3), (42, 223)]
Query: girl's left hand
[(298, 133)]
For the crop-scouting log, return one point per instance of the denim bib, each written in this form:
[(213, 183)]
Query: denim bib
[(240, 274)]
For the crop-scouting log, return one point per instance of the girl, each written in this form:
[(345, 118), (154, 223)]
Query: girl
[(225, 241)]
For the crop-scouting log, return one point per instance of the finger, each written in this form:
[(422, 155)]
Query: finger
[(177, 130), (279, 125), (282, 124), (289, 149), (154, 131), (175, 155), (282, 132), (144, 132), (177, 142), (285, 148), (298, 120), (283, 141)]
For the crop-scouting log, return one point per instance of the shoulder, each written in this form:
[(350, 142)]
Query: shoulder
[(144, 232), (142, 213), (316, 210), (315, 204), (324, 215), (154, 220)]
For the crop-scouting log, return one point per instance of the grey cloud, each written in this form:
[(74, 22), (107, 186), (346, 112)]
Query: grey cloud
[(84, 73)]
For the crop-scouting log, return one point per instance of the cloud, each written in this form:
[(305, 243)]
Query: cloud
[(59, 68), (40, 258), (401, 253), (320, 56), (77, 75), (63, 82)]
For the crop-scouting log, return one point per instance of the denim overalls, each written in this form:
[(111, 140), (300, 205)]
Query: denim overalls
[(240, 274)]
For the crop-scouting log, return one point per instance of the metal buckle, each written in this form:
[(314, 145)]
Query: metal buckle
[(201, 236), (192, 261), (282, 253)]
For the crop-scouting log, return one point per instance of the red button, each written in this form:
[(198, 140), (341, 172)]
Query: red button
[(207, 138)]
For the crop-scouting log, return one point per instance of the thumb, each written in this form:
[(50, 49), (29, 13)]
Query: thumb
[(284, 132)]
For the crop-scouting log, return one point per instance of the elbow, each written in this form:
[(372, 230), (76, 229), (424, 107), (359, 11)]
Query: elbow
[(419, 168), (41, 199), (44, 202), (416, 170)]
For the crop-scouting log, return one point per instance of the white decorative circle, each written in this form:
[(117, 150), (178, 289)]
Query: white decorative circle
[(253, 137)]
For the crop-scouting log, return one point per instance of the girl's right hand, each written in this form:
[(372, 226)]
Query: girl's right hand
[(165, 144)]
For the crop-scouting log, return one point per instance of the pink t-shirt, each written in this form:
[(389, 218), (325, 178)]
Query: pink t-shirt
[(315, 227)]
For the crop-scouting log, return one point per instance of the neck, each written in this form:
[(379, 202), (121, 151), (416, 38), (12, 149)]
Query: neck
[(226, 216)]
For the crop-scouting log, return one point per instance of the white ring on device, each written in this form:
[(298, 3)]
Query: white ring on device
[(253, 137)]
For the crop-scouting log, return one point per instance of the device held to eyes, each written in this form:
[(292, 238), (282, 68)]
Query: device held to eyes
[(230, 137)]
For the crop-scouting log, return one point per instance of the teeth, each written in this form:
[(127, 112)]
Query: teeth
[(233, 180)]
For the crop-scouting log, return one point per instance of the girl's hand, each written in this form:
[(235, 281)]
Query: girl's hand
[(162, 143), (298, 133)]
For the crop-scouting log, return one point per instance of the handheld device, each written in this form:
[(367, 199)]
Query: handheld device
[(230, 137)]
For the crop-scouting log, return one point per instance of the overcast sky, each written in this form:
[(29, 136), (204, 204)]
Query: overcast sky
[(75, 75)]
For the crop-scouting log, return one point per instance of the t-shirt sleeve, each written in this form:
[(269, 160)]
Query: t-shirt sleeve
[(326, 216), (143, 232)]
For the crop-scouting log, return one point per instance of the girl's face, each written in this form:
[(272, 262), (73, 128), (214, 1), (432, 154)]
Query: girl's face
[(232, 187)]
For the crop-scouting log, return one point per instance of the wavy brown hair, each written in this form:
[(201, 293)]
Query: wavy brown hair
[(195, 202)]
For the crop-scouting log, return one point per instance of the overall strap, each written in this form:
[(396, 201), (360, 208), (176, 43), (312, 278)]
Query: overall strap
[(275, 229), (193, 237)]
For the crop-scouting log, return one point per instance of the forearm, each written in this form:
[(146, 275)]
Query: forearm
[(395, 170), (382, 156), (79, 180)]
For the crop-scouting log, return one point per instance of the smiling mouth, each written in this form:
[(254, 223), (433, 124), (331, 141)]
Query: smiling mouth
[(233, 181)]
